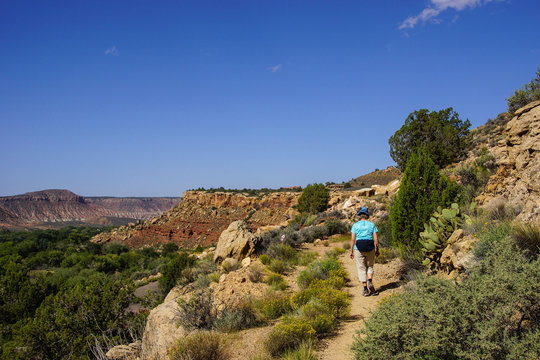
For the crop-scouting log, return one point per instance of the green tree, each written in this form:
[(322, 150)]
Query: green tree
[(527, 93), (172, 271), (422, 189), (442, 133), (66, 324), (314, 199)]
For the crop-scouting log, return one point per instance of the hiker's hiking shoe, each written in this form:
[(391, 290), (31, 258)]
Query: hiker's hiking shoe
[(366, 292), (371, 288)]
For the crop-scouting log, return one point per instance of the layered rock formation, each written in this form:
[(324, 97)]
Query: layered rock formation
[(200, 218), (517, 181), (51, 207)]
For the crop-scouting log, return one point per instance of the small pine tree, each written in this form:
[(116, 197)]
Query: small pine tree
[(314, 199), (422, 189)]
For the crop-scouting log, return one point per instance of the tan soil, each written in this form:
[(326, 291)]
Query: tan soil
[(386, 280)]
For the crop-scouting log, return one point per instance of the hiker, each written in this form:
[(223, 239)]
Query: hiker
[(364, 248)]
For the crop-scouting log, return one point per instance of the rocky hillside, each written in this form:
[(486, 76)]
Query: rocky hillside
[(517, 180), (200, 218), (47, 208), (377, 177)]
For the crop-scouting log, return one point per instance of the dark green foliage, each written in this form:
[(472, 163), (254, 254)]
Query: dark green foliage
[(442, 133), (335, 226), (65, 323), (198, 312), (41, 270), (172, 270), (314, 199), (528, 93), (422, 189), (493, 313)]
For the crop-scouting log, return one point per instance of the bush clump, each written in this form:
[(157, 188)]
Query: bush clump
[(321, 269), (336, 227), (276, 281), (494, 313), (201, 345), (314, 199), (273, 305)]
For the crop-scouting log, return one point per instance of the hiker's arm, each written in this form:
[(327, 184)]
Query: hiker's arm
[(376, 240), (353, 239)]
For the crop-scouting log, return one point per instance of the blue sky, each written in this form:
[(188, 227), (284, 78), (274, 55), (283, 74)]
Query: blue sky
[(150, 98)]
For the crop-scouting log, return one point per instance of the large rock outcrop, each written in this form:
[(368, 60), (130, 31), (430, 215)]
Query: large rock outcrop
[(201, 217), (162, 328), (517, 181), (237, 242)]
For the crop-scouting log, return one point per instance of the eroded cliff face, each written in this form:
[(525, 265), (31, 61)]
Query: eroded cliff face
[(40, 208), (517, 181), (200, 218)]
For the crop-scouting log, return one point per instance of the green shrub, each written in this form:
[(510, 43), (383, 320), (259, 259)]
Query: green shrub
[(200, 345), (385, 255), (255, 273), (198, 312), (306, 257), (242, 316), (229, 265), (273, 305), (265, 259), (282, 252), (214, 277), (276, 281), (319, 316), (172, 271), (493, 313), (278, 266), (526, 94), (288, 335), (336, 227), (304, 351), (422, 189), (336, 301), (314, 199), (321, 269)]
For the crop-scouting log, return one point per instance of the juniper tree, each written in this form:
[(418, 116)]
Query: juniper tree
[(422, 189)]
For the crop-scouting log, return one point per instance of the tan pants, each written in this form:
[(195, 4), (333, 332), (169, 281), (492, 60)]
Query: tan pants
[(364, 263)]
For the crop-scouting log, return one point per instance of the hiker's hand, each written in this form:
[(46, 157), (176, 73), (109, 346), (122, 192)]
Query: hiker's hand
[(377, 252), (351, 255)]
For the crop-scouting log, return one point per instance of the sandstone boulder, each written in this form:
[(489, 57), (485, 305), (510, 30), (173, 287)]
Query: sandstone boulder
[(161, 330), (380, 189), (236, 242), (458, 255), (393, 187)]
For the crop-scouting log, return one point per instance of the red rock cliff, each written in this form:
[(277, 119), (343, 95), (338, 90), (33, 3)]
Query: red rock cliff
[(200, 218)]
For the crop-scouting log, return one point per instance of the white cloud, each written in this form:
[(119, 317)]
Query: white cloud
[(111, 51), (274, 68), (438, 6)]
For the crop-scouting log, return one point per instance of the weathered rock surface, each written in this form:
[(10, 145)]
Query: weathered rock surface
[(201, 217), (125, 352), (457, 255), (237, 242), (162, 330), (517, 181)]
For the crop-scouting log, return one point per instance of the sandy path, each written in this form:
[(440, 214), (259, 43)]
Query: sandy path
[(385, 280)]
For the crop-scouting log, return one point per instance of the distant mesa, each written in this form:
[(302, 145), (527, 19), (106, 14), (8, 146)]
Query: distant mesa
[(57, 208)]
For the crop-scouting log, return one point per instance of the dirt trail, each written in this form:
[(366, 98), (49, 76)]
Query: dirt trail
[(386, 281)]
